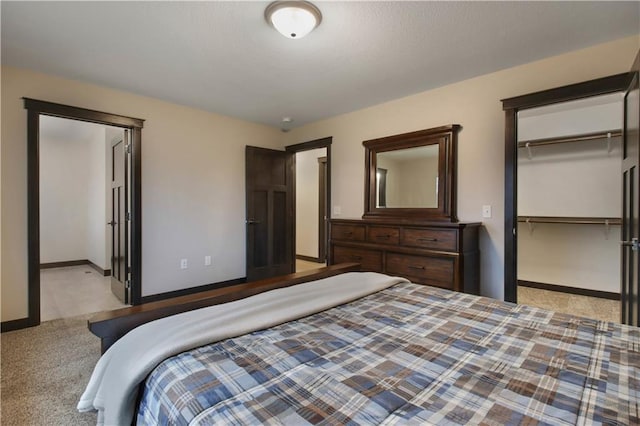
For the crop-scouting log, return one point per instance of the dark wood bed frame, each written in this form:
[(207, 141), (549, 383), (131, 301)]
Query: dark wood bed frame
[(109, 326)]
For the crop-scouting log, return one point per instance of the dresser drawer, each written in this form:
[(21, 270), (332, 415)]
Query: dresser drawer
[(436, 239), (369, 260), (383, 235), (347, 232), (437, 271)]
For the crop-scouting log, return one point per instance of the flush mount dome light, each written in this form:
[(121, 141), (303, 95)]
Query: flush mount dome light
[(293, 19)]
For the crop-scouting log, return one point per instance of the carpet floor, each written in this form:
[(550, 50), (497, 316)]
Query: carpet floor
[(45, 370)]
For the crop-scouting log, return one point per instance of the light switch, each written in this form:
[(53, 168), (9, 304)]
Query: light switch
[(486, 211)]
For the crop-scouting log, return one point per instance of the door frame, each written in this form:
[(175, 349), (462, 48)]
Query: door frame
[(307, 146), (511, 107), (35, 108), (322, 209), (629, 291)]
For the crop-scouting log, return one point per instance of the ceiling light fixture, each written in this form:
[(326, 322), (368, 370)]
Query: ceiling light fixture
[(293, 19)]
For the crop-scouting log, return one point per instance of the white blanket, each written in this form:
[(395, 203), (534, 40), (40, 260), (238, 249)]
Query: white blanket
[(112, 389)]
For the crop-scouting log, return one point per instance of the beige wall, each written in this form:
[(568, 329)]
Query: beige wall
[(474, 104), (192, 184), (193, 164)]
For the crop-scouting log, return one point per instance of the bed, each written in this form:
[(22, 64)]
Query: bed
[(366, 348)]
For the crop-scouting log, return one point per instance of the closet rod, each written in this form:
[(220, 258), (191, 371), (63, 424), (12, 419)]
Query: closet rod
[(571, 220), (573, 138)]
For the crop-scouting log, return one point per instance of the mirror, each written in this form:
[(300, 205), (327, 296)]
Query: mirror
[(412, 175), (397, 170)]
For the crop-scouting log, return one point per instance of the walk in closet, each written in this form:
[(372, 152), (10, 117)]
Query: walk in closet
[(569, 197)]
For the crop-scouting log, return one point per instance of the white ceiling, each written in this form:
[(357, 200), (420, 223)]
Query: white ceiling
[(223, 57)]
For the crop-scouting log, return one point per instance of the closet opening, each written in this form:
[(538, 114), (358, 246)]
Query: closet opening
[(569, 206), (563, 198)]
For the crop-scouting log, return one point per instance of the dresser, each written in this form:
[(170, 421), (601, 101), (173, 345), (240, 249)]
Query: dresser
[(441, 254)]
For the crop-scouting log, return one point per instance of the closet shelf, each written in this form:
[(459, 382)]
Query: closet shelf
[(571, 220), (572, 138)]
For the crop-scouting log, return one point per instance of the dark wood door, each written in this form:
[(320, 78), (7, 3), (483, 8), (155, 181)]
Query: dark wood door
[(630, 204), (270, 213), (120, 219), (323, 214)]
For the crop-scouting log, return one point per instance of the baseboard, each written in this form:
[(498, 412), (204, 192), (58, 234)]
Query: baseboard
[(191, 290), (16, 324), (51, 265), (309, 258), (103, 272), (63, 264), (572, 290)]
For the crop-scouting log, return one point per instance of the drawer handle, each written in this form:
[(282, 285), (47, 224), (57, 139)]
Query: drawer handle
[(427, 240), (356, 257), (416, 267), (383, 237), (347, 234)]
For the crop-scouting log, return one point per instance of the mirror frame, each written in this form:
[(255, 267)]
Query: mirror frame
[(447, 139)]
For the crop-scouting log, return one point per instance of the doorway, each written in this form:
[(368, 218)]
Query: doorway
[(312, 233), (38, 111), (311, 214), (75, 205), (542, 207)]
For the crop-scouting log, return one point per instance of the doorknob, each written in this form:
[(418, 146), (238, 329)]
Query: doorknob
[(252, 222), (113, 222), (635, 245)]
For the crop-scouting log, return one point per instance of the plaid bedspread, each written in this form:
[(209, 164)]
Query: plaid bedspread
[(409, 354)]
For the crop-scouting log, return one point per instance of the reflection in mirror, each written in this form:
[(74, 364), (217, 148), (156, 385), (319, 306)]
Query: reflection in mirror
[(408, 178)]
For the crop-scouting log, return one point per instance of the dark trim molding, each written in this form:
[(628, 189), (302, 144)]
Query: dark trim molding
[(511, 106), (308, 146), (35, 108), (192, 290), (51, 265), (323, 223), (510, 203), (33, 214), (17, 324), (93, 116), (572, 290), (309, 258), (585, 89), (103, 272)]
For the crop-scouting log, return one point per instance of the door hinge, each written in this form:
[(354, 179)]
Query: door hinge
[(127, 148), (128, 216), (634, 244), (127, 284)]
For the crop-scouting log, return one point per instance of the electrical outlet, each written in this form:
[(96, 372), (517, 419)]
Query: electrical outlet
[(337, 210), (207, 261), (486, 211), (183, 264)]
